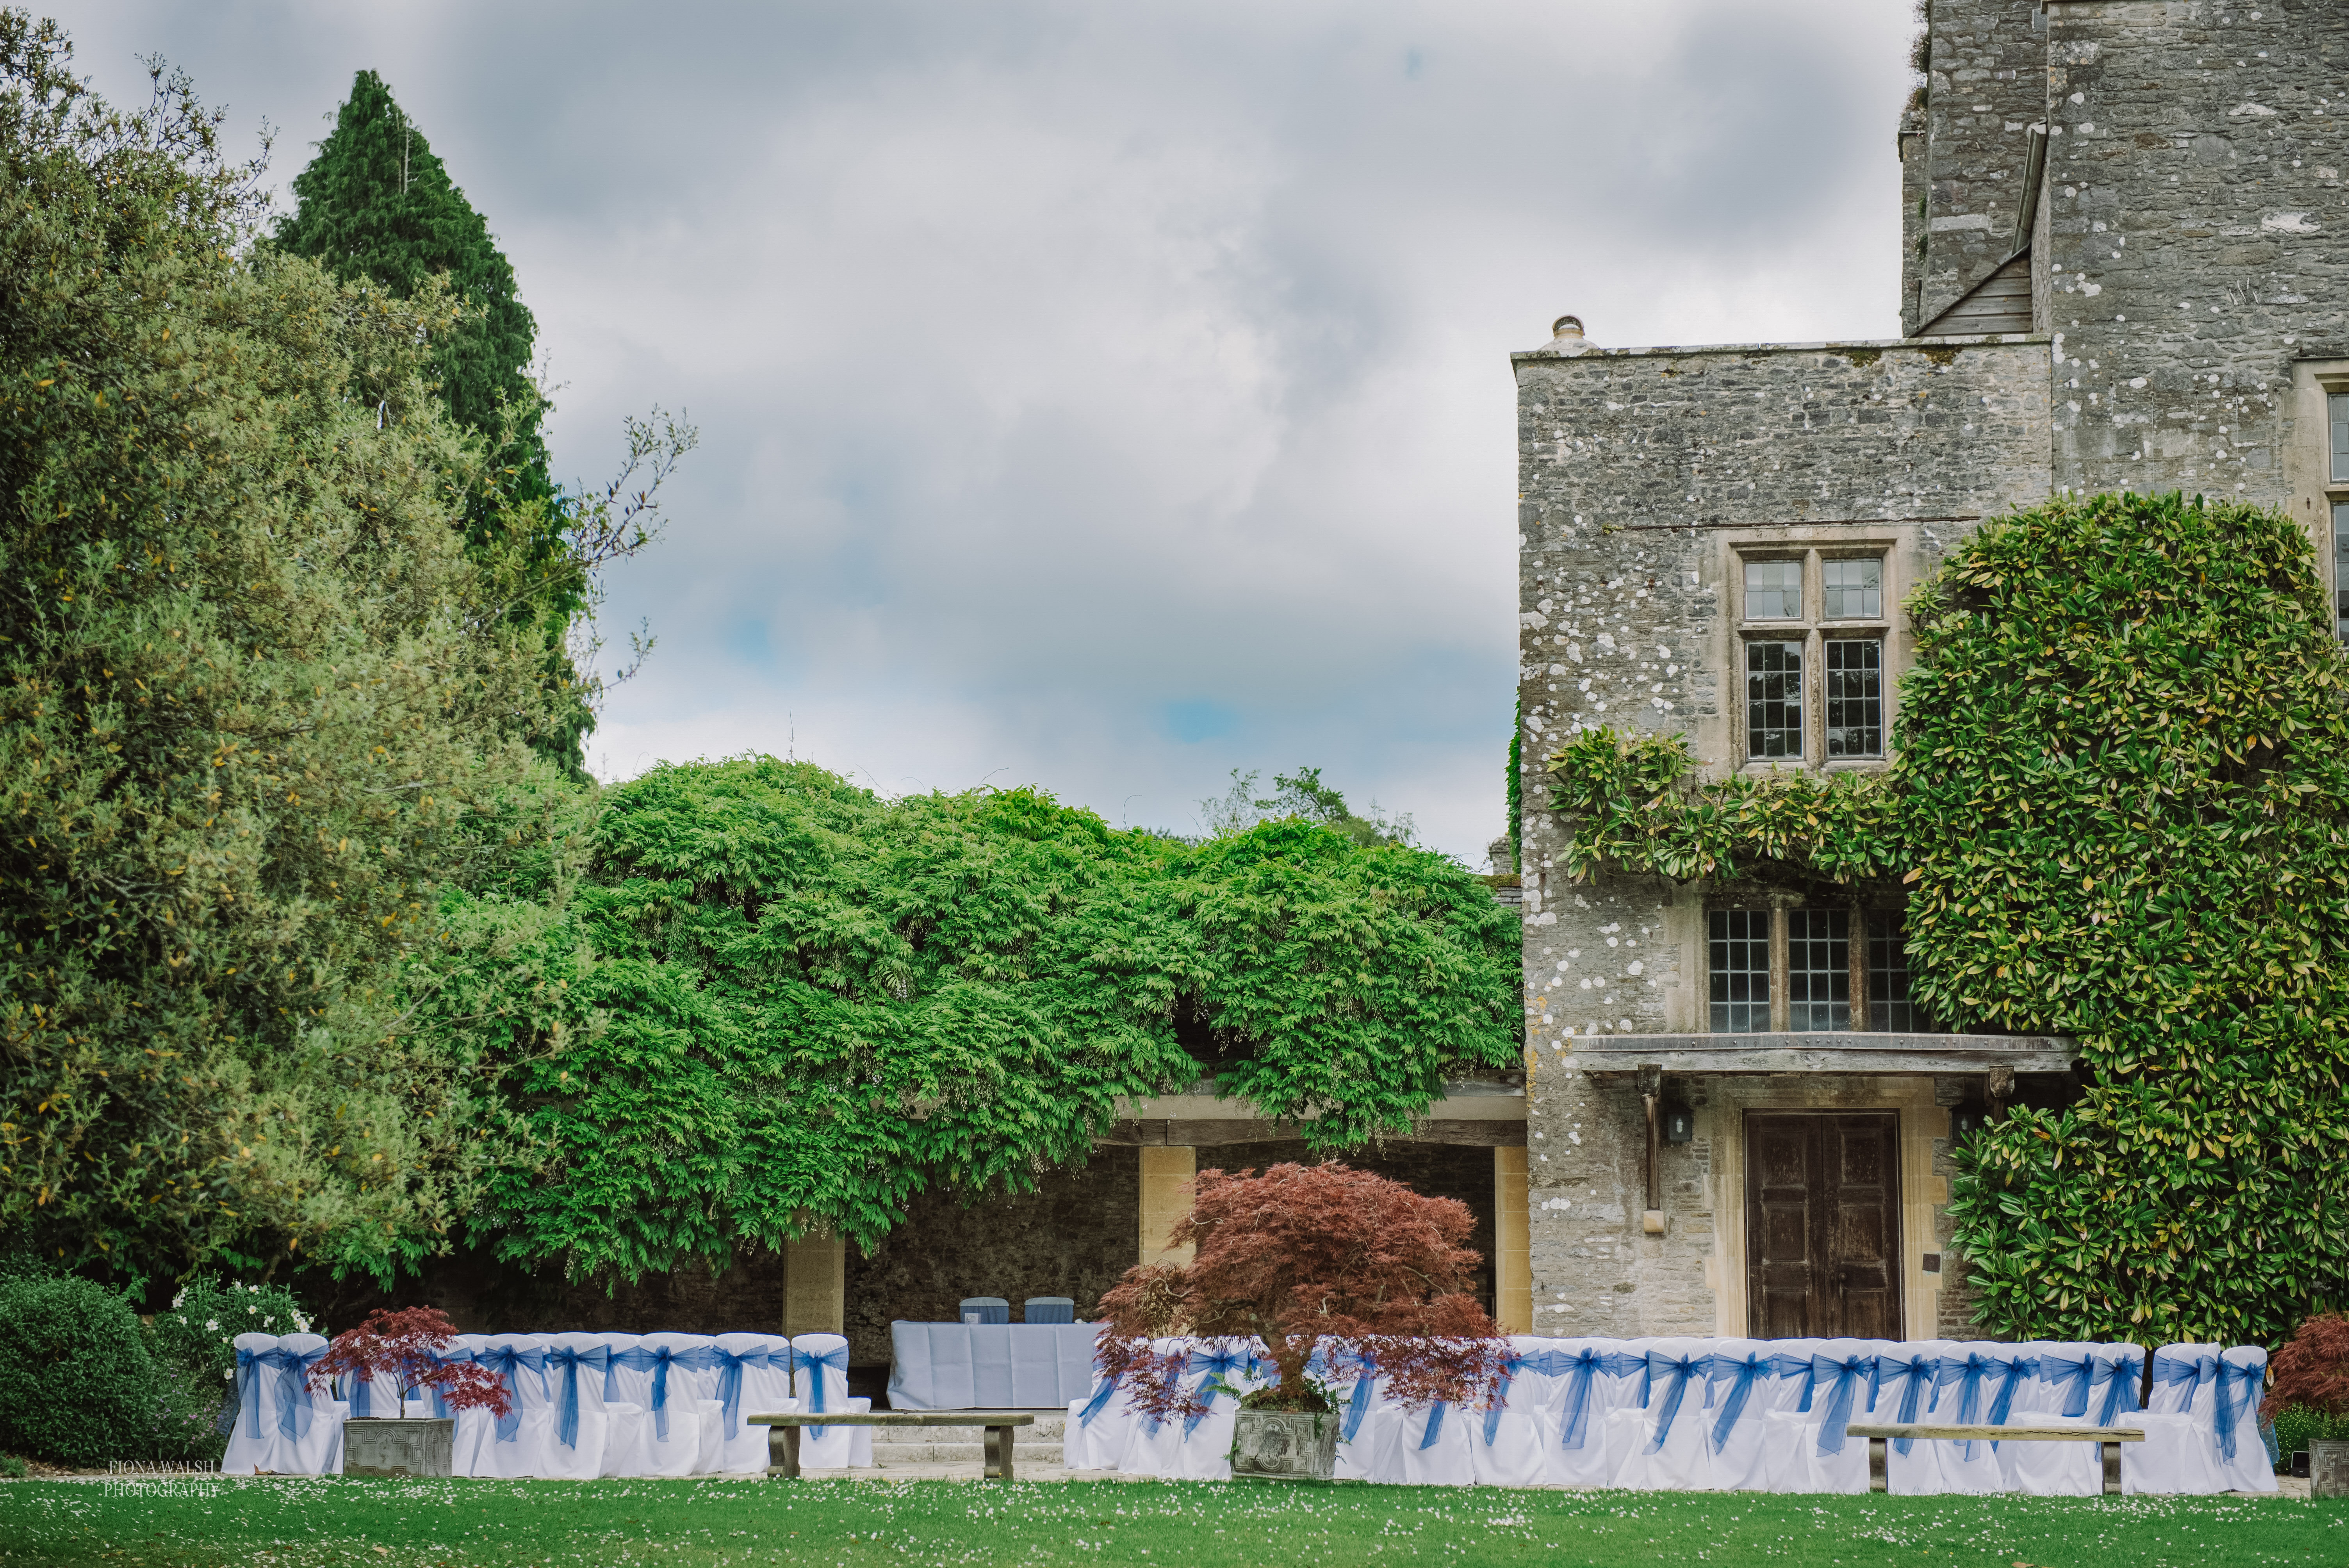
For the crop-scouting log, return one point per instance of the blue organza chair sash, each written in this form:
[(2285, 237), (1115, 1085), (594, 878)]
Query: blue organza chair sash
[(1511, 1365), (1098, 1403), (1914, 1375), (1580, 1369), (815, 1364), (2236, 1386), (569, 1360), (506, 1361), (1214, 1367), (2118, 1376), (2170, 1371), (1966, 1374), (658, 1359), (1841, 1375), (1740, 1373), (2067, 1376), (1365, 1377), (457, 1358), (292, 1370), (1674, 1371), (730, 1364)]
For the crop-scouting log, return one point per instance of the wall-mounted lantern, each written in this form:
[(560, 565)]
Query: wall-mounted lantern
[(1965, 1120), (1680, 1124)]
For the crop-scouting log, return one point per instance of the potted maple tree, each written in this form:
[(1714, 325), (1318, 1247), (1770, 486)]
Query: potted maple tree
[(2309, 1401), (1306, 1256), (405, 1345)]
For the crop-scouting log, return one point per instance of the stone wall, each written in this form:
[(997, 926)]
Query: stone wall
[(2196, 217), (1985, 88), (1075, 1235)]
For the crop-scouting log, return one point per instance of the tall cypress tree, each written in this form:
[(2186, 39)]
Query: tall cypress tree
[(378, 203)]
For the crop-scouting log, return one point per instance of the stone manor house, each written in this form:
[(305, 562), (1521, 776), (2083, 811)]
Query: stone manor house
[(2122, 267)]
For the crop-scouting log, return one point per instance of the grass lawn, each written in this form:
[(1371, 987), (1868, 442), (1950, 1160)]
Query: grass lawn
[(690, 1524)]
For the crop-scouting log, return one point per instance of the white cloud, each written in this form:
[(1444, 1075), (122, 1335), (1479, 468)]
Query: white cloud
[(1073, 378)]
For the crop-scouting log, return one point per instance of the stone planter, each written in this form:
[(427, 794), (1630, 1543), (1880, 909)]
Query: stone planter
[(382, 1446), (2328, 1470), (1284, 1445)]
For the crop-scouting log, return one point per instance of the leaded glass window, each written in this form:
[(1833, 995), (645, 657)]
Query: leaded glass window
[(1854, 697), (2338, 405), (1773, 590), (1855, 589), (1818, 969), (1774, 699), (1890, 1009), (1738, 968)]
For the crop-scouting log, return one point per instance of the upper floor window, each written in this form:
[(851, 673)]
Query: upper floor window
[(1815, 689), (1855, 589), (2337, 409), (1773, 590)]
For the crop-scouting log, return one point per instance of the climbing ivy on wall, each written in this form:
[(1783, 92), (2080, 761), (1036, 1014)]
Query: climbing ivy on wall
[(772, 1001), (2118, 802)]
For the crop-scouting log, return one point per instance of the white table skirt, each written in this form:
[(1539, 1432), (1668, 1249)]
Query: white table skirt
[(991, 1366)]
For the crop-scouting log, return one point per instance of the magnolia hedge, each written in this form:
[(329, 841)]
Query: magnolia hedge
[(2116, 803)]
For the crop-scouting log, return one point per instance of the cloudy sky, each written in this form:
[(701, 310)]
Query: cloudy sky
[(1099, 396)]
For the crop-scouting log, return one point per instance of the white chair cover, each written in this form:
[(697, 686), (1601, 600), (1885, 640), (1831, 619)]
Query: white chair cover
[(520, 1443), (1746, 1379), (2180, 1451), (461, 1350), (585, 1437), (1153, 1447), (1665, 1445), (754, 1377), (1973, 1385), (2244, 1371), (1901, 1393), (643, 1372), (2056, 1393), (1360, 1435), (1804, 1447), (693, 1379), (1432, 1446), (1097, 1426), (1510, 1443), (1594, 1378), (282, 1425), (1205, 1451), (820, 1380)]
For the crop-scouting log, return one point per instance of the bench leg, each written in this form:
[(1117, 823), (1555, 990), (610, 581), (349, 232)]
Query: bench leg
[(783, 1452), (998, 1453), (1878, 1475), (2112, 1468)]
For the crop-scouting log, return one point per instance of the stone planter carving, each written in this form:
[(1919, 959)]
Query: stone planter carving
[(2328, 1470), (382, 1446), (1284, 1445)]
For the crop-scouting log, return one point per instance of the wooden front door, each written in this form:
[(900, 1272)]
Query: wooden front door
[(1823, 1225)]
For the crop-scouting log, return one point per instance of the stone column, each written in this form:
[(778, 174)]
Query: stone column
[(1513, 1279), (815, 1285), (1167, 1173)]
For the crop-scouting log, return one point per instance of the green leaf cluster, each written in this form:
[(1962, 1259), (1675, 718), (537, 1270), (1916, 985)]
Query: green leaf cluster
[(250, 684), (769, 1002), (2117, 800)]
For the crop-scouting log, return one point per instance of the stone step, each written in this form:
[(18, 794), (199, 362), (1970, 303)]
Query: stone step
[(895, 1447)]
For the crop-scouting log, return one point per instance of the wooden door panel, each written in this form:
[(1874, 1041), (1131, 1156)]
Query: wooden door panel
[(1822, 1225)]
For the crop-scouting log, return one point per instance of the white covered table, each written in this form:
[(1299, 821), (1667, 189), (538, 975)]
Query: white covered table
[(991, 1366)]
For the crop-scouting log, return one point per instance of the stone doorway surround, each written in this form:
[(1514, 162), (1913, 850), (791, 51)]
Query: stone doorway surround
[(1721, 1106)]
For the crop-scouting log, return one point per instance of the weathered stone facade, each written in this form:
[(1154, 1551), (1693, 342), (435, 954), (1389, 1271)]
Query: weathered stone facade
[(2188, 323)]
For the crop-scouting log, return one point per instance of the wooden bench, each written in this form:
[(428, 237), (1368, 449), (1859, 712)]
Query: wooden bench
[(783, 1433), (2109, 1439)]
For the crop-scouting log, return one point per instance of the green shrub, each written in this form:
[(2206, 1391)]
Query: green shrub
[(76, 1384), (194, 1345), (2298, 1427)]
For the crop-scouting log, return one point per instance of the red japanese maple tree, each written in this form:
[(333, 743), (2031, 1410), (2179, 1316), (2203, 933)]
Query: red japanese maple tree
[(2311, 1370), (1305, 1255), (406, 1344)]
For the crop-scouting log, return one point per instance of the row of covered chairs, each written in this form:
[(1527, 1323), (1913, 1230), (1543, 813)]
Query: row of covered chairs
[(1741, 1415), (581, 1405)]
